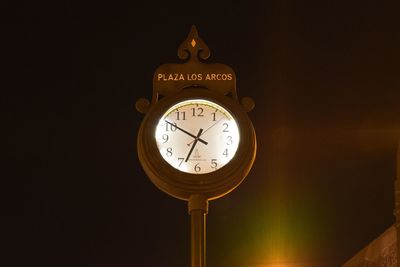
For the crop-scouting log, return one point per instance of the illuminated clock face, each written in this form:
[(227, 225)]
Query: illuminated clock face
[(197, 136)]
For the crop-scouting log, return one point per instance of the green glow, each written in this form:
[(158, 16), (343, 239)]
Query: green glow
[(284, 228)]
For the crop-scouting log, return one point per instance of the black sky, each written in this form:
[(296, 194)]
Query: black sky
[(325, 79)]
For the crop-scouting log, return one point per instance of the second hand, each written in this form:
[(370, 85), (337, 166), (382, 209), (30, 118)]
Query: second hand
[(206, 130)]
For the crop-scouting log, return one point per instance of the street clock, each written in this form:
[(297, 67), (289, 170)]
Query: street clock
[(196, 142)]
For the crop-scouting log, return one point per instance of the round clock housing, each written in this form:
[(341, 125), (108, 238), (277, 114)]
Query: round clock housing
[(197, 136), (196, 142)]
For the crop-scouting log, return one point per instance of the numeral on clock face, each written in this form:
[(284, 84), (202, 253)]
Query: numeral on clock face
[(170, 127), (180, 115), (197, 136), (198, 111)]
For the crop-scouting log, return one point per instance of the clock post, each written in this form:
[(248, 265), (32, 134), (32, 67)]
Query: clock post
[(198, 208), (196, 142)]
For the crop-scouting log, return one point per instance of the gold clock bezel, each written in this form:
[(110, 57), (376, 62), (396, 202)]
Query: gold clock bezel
[(180, 184)]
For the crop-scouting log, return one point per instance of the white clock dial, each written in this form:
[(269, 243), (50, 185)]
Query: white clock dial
[(197, 136)]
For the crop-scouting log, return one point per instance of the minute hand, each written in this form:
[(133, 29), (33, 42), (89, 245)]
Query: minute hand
[(186, 132)]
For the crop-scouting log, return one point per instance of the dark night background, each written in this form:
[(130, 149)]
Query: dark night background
[(325, 79)]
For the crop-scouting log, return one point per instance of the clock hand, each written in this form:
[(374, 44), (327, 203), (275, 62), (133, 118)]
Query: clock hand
[(207, 129), (194, 144), (186, 132)]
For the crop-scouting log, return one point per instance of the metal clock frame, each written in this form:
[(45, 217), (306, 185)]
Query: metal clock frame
[(183, 185)]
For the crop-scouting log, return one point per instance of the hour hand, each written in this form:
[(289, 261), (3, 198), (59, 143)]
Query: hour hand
[(186, 132), (194, 144)]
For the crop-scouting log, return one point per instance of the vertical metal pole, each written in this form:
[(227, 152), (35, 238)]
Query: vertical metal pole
[(198, 207), (198, 236)]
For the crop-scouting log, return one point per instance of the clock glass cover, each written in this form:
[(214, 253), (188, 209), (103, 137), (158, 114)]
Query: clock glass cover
[(197, 136)]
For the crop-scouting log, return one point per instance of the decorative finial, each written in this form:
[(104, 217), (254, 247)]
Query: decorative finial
[(193, 47)]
